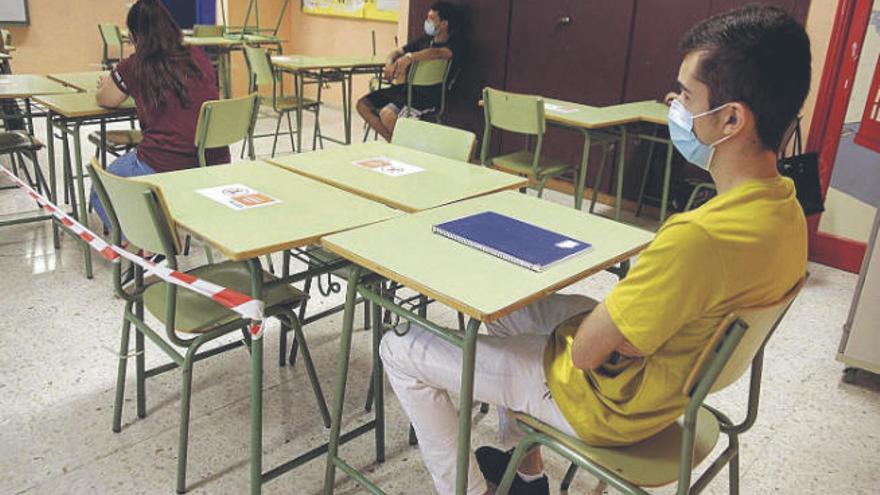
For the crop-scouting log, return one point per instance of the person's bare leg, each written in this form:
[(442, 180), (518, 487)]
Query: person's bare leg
[(532, 463), (369, 114), (388, 115)]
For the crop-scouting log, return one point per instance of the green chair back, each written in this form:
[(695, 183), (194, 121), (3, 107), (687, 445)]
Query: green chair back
[(6, 36), (449, 142), (224, 122), (759, 324), (136, 209), (110, 33), (259, 67), (429, 73), (513, 112), (207, 31)]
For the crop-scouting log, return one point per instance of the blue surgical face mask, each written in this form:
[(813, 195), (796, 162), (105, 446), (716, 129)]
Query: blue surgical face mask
[(681, 131), (430, 28)]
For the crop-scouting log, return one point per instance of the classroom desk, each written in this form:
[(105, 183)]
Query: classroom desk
[(26, 87), (69, 113), (340, 69), (299, 220), (616, 118), (222, 47), (442, 181), (406, 251), (80, 81)]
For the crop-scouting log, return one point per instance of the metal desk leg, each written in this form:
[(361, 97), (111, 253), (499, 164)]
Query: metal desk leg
[(341, 377), (582, 174), (53, 180), (346, 103), (621, 160), (667, 174), (300, 87), (30, 118), (466, 401), (81, 190), (378, 380), (648, 164), (103, 141), (256, 387)]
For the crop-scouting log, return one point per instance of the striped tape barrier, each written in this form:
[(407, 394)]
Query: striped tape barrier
[(242, 304)]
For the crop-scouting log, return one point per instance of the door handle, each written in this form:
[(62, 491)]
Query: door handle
[(564, 20)]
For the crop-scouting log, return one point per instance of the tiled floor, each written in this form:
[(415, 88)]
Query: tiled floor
[(59, 331)]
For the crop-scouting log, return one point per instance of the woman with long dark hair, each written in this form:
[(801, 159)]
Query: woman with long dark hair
[(168, 82)]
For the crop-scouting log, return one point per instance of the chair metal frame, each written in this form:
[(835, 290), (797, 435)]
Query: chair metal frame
[(134, 315), (702, 381)]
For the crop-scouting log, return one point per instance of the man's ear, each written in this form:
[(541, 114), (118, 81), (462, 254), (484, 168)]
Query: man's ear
[(737, 116)]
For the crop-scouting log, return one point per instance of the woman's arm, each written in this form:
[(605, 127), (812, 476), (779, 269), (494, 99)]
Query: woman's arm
[(109, 95)]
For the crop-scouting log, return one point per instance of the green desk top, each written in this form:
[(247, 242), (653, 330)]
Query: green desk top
[(78, 105), (81, 81), (588, 117), (650, 111), (478, 284), (26, 86), (441, 182), (308, 209), (302, 62), (216, 41)]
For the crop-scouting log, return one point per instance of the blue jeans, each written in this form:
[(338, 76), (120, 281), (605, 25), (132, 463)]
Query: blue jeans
[(126, 165)]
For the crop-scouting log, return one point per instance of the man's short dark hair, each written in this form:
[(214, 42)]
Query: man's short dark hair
[(757, 55), (447, 11)]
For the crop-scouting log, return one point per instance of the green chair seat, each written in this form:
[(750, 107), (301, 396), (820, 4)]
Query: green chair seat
[(198, 314), (521, 163), (12, 141), (649, 463), (289, 102), (323, 257), (118, 139)]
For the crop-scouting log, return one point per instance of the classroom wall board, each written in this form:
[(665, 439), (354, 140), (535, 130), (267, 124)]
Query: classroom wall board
[(14, 12)]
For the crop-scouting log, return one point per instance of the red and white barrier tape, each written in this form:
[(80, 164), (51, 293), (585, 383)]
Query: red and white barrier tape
[(242, 304)]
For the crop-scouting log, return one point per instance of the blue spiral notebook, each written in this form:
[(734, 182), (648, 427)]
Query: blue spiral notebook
[(512, 240)]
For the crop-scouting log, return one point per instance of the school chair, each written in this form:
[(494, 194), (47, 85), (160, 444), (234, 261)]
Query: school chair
[(225, 122), (111, 38), (449, 142), (671, 455), (520, 114), (262, 76), (425, 74), (118, 141), (190, 320), (19, 145), (207, 31)]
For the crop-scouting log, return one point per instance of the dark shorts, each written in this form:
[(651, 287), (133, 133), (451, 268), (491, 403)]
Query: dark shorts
[(425, 98)]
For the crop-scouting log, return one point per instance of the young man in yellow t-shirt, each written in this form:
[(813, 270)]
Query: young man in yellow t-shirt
[(615, 377)]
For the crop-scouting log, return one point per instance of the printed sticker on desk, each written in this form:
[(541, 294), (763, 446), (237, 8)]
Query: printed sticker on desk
[(559, 108), (387, 166), (238, 196)]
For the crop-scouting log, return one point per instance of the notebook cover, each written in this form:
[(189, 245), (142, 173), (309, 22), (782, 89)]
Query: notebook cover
[(513, 240)]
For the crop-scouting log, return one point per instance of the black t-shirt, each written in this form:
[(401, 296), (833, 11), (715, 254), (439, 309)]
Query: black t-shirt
[(425, 42)]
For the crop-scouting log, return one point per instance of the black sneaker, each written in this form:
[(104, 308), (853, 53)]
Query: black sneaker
[(493, 462)]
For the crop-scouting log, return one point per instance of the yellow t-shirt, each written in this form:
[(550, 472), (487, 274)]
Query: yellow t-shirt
[(744, 248)]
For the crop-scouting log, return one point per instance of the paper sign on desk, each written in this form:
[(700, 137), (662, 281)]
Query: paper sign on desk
[(238, 196), (387, 166), (559, 108)]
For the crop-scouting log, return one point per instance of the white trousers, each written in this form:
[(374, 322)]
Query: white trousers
[(423, 368)]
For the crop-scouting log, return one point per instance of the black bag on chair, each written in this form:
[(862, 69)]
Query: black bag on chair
[(803, 169)]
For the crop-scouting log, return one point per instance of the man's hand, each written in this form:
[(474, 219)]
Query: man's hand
[(388, 71), (628, 350), (100, 83)]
